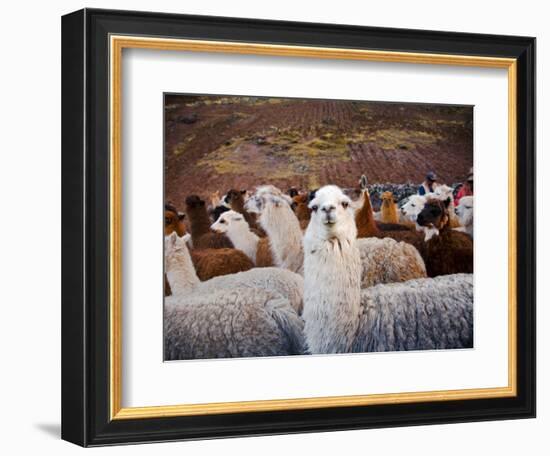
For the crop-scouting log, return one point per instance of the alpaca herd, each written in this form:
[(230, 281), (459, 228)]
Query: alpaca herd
[(271, 273)]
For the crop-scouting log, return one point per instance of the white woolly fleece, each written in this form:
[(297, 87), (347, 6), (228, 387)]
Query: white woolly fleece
[(332, 271)]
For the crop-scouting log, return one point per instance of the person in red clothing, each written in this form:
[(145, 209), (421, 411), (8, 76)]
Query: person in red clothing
[(467, 188)]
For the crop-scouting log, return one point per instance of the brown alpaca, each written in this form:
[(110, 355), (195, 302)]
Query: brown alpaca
[(448, 251), (201, 234), (264, 257), (217, 262), (235, 199), (208, 262), (301, 209), (388, 211), (173, 221)]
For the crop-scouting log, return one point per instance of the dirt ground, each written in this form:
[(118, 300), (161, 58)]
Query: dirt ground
[(216, 143)]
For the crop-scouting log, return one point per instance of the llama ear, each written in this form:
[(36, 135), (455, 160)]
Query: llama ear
[(363, 182), (243, 192), (311, 195), (447, 202), (181, 216)]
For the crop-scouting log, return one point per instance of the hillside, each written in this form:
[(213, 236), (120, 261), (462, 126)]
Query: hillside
[(216, 143)]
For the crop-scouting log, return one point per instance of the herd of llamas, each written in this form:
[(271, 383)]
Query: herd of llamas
[(269, 273)]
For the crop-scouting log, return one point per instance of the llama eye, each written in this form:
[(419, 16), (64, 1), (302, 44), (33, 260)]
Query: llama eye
[(345, 204), (314, 208), (222, 221), (412, 205)]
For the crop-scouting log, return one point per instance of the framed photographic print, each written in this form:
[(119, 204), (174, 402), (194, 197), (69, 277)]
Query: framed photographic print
[(268, 227)]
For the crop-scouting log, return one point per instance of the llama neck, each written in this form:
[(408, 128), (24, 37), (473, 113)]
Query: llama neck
[(364, 218), (302, 212), (181, 272), (199, 221), (332, 301), (244, 240), (285, 237), (238, 205)]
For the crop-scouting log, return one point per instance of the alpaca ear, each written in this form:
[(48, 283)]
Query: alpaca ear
[(311, 195), (363, 182), (243, 192), (447, 202), (181, 216)]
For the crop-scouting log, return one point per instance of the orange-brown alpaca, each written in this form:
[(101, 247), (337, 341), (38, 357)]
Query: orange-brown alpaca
[(235, 199), (449, 251), (201, 234), (388, 211), (208, 262), (367, 226)]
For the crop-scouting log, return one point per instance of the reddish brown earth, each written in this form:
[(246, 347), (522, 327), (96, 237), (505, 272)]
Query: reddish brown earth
[(217, 143)]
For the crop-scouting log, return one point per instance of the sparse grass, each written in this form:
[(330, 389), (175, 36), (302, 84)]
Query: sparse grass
[(394, 139), (182, 146), (285, 154)]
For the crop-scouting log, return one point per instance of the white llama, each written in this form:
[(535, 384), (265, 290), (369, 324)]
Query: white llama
[(282, 226), (335, 307), (465, 213), (236, 228)]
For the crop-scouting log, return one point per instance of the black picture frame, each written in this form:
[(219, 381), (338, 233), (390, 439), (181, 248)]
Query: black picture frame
[(85, 227)]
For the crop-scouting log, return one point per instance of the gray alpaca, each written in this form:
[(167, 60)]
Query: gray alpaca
[(252, 313)]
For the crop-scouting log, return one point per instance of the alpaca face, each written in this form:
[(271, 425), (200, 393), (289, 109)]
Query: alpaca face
[(413, 207), (265, 194), (173, 222), (331, 214), (230, 221), (387, 198), (465, 210), (234, 196), (443, 192), (194, 202), (435, 214)]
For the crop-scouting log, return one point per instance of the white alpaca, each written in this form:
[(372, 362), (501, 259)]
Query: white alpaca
[(253, 313), (332, 268), (236, 228), (465, 213), (413, 207), (335, 308), (282, 226)]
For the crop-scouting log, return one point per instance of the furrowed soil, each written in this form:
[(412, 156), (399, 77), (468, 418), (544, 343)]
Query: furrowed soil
[(217, 143)]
